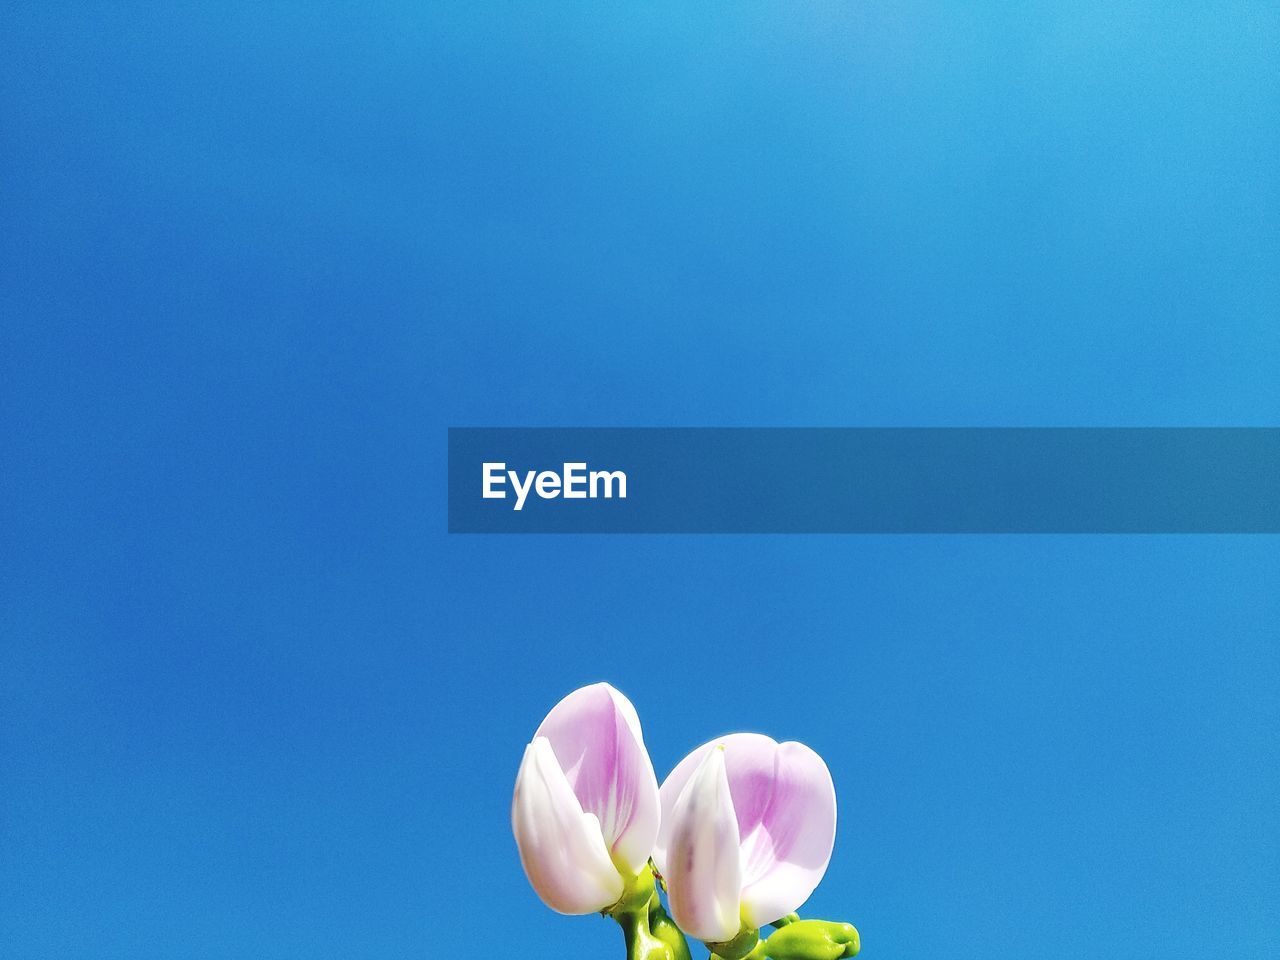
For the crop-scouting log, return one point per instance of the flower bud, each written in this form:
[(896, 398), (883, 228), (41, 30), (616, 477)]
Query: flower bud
[(813, 940)]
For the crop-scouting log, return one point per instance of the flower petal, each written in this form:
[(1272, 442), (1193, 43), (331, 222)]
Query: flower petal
[(787, 850), (749, 763), (703, 869), (786, 811), (561, 846), (596, 736)]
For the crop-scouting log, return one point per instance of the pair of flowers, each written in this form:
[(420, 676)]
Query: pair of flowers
[(741, 831)]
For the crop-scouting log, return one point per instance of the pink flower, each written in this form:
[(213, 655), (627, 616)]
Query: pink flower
[(586, 808), (748, 826)]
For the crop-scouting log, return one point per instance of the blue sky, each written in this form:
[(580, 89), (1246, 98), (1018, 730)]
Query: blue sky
[(257, 258)]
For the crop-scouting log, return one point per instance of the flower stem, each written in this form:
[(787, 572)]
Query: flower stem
[(649, 933)]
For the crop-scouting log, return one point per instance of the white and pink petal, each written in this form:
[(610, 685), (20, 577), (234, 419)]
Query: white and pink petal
[(701, 862), (561, 846), (595, 734), (787, 850)]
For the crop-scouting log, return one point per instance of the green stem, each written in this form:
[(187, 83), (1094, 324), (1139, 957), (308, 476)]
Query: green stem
[(649, 933)]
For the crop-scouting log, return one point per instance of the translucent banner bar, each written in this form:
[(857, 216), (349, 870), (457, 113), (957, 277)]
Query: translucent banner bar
[(864, 480)]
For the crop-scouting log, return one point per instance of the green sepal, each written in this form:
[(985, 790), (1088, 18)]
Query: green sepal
[(738, 948), (636, 897)]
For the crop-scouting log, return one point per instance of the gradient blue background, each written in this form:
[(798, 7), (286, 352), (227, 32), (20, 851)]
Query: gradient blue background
[(254, 702)]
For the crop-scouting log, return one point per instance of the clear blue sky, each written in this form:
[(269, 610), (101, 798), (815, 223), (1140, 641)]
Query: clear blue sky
[(255, 258)]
